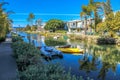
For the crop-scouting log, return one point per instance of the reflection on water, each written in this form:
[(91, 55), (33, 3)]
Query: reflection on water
[(98, 62), (102, 61)]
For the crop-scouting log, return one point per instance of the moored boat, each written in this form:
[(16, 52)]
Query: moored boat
[(71, 50), (65, 46), (49, 52)]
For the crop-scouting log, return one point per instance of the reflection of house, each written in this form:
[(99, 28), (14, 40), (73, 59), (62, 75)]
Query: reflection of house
[(77, 25)]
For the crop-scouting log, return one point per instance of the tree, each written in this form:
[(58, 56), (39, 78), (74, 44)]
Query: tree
[(101, 27), (34, 28), (117, 21), (92, 9), (96, 7), (5, 22), (107, 8), (54, 24), (111, 23), (30, 18), (28, 28), (86, 11)]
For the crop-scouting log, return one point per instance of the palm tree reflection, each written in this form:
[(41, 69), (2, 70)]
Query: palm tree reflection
[(105, 68), (109, 58), (88, 64)]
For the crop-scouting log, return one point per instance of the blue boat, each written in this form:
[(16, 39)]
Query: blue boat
[(50, 52)]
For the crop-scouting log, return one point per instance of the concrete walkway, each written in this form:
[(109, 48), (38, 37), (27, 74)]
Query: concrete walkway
[(8, 68)]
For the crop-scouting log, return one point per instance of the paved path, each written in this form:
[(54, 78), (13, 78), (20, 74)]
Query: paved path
[(7, 62)]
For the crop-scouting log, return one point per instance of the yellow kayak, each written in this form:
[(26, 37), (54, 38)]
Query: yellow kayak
[(71, 50)]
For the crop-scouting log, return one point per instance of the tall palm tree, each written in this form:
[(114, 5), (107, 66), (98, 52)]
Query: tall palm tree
[(86, 11), (96, 7), (3, 3), (107, 7), (5, 22), (30, 18)]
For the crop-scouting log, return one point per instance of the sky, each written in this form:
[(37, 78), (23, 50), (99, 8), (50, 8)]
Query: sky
[(47, 9)]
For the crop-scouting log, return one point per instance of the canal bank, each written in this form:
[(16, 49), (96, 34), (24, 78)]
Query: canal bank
[(96, 39)]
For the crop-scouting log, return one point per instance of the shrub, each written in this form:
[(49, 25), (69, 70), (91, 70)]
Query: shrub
[(25, 54), (16, 38), (60, 31), (52, 42), (47, 72), (106, 41), (2, 39)]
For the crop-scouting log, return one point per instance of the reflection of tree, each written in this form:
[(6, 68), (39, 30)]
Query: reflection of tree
[(88, 64), (103, 71), (110, 56), (106, 66)]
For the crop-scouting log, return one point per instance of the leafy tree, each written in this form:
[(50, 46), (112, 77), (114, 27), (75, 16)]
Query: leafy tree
[(54, 24), (28, 27), (117, 21), (34, 28), (111, 24), (101, 27)]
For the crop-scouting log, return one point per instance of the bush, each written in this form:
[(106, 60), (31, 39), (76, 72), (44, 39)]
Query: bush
[(47, 72), (25, 54), (106, 41), (2, 39), (16, 38), (60, 31), (52, 42), (30, 67)]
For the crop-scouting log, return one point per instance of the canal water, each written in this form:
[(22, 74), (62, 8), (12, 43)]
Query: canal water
[(97, 62)]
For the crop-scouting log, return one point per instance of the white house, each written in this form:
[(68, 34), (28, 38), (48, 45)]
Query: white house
[(41, 27), (77, 25)]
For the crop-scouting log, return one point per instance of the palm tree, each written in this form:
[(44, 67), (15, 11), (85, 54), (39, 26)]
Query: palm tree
[(3, 3), (86, 11), (30, 18), (5, 22), (107, 8), (96, 7)]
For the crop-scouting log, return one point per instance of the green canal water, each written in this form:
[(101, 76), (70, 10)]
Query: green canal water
[(99, 62)]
